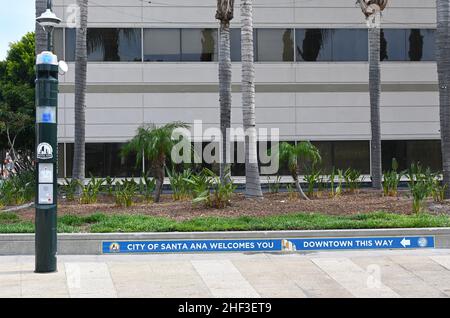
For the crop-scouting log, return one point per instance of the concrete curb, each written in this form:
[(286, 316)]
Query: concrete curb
[(90, 244)]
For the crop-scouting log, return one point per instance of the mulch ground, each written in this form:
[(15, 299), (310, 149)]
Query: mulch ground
[(365, 201)]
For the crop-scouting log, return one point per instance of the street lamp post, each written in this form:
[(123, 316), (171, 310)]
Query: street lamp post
[(46, 149)]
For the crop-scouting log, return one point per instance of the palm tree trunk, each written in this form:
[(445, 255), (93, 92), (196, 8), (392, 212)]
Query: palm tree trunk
[(299, 188), (443, 66), (375, 91), (80, 94), (41, 36), (253, 182), (159, 168), (225, 94)]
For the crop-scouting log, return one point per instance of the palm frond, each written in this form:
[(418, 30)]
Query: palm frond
[(155, 142)]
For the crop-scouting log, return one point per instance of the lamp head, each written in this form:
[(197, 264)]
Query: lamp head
[(48, 20)]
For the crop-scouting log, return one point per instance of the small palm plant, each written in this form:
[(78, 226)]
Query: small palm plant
[(293, 153), (109, 185), (181, 189), (156, 144), (391, 180)]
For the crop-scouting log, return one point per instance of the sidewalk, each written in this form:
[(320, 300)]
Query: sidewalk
[(417, 273)]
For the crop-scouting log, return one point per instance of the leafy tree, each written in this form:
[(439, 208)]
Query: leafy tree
[(156, 144), (17, 95), (292, 154)]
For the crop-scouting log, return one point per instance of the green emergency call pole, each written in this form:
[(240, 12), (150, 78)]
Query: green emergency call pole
[(47, 69)]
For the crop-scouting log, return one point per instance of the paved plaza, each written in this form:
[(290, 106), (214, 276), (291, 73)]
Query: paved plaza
[(416, 273)]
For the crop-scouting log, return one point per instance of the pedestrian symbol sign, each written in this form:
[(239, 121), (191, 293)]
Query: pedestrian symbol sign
[(44, 151)]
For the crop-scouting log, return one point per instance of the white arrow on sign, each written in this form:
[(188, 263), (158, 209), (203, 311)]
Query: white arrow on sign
[(405, 242)]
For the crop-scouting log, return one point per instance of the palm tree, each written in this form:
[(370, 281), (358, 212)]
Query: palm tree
[(225, 11), (253, 182), (156, 144), (372, 10), (41, 35), (443, 67), (291, 154), (79, 155)]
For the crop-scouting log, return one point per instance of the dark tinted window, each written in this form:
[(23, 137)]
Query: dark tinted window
[(275, 45), (58, 43), (238, 164), (341, 155), (235, 41), (61, 160), (421, 44), (69, 160), (313, 45), (114, 45), (199, 45), (350, 45), (407, 152), (393, 45), (104, 159), (111, 45), (352, 154), (162, 45), (326, 150), (70, 44)]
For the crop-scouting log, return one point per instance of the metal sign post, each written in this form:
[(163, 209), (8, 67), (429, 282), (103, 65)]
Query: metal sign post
[(46, 149)]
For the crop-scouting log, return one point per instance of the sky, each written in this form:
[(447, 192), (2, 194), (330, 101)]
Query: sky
[(16, 18)]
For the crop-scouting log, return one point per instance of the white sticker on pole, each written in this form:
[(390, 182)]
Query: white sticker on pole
[(45, 194), (45, 172), (44, 151)]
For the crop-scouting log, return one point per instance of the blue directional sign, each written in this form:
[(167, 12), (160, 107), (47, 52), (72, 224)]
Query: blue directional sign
[(363, 243), (268, 245), (192, 246)]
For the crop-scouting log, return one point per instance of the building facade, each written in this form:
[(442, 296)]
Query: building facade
[(156, 62)]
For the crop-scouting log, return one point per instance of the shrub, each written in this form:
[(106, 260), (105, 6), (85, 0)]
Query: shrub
[(181, 187), (109, 185), (19, 188), (210, 190), (352, 179), (7, 192), (274, 187), (292, 194), (438, 188), (312, 178), (90, 191), (339, 188), (332, 180), (147, 186), (421, 183), (124, 193), (391, 180), (438, 191), (414, 172), (420, 190), (70, 188)]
